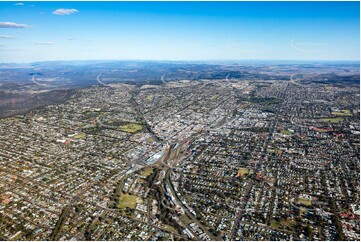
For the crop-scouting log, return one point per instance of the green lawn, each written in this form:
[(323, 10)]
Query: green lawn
[(243, 171), (274, 150), (275, 224), (214, 97), (128, 201), (185, 218), (304, 201), (79, 136), (278, 151), (283, 222), (149, 98), (343, 112), (332, 120), (90, 114), (286, 132), (130, 128), (150, 140), (270, 150)]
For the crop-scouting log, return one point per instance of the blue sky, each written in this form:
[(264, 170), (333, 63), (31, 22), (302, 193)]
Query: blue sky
[(36, 31)]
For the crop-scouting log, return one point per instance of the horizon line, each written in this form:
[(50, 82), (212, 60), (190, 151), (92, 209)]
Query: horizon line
[(183, 60)]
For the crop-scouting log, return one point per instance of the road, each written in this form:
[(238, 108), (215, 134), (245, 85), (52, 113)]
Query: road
[(190, 215), (251, 184)]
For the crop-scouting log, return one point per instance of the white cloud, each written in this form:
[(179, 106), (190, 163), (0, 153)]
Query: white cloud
[(43, 43), (19, 4), (64, 11), (13, 25), (6, 37)]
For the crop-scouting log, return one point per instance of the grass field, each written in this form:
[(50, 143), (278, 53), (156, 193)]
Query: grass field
[(130, 128), (270, 150), (150, 140), (304, 201), (185, 219), (283, 222), (79, 136), (275, 224), (274, 150), (214, 97), (286, 132), (90, 114), (344, 112), (332, 120), (170, 228), (146, 171), (243, 171), (128, 201), (279, 152), (149, 98)]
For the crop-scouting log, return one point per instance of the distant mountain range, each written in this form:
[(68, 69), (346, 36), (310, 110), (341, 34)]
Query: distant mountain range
[(26, 86)]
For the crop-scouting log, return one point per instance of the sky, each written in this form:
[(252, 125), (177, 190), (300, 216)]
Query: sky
[(45, 31)]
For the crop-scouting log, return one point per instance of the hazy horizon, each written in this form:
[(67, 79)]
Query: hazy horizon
[(238, 61)]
